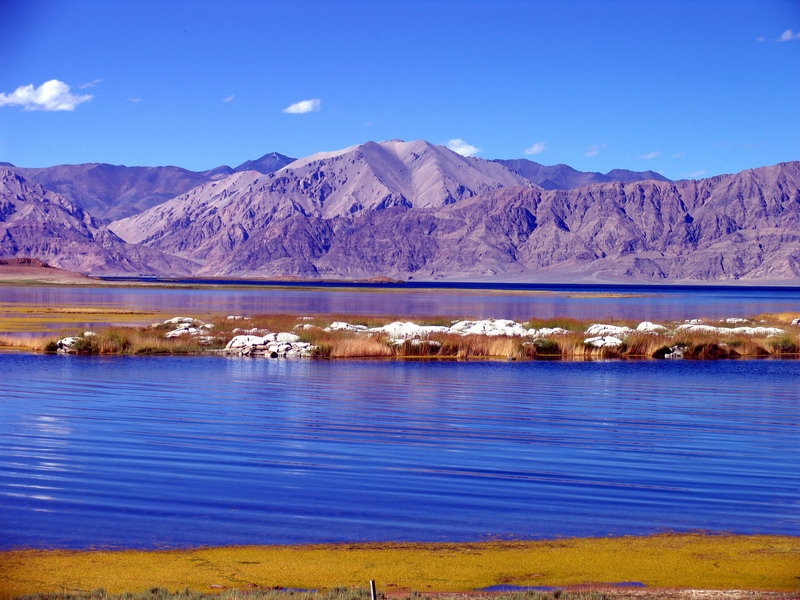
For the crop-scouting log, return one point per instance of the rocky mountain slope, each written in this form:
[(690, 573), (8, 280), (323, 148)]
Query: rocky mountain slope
[(211, 220), (35, 222), (563, 177), (111, 192), (416, 210)]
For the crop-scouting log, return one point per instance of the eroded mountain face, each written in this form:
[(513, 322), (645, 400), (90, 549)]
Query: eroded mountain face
[(35, 222), (413, 209), (111, 192)]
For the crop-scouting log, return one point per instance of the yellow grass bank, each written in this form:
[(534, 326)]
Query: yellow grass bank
[(675, 561)]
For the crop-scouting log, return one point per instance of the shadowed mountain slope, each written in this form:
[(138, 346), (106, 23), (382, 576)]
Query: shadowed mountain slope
[(35, 222), (111, 192)]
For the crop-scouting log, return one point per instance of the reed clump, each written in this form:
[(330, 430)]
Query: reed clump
[(25, 342), (359, 347)]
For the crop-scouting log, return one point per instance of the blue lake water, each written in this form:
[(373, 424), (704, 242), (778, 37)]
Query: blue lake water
[(654, 303), (185, 451)]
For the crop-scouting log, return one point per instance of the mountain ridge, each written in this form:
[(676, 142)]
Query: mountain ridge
[(416, 210), (643, 230)]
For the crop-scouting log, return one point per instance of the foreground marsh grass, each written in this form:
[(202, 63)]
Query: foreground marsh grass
[(344, 593), (675, 561)]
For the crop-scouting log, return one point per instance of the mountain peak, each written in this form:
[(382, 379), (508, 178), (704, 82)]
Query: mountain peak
[(269, 163)]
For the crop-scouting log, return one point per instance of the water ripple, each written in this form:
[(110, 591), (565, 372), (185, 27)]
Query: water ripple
[(144, 452)]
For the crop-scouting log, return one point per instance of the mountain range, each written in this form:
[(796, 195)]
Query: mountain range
[(111, 192), (407, 210)]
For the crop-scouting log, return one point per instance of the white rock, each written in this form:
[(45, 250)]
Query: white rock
[(796, 321), (604, 341), (489, 327), (676, 352), (548, 331), (305, 326), (67, 342), (237, 318), (89, 334), (251, 331), (600, 329), (406, 330), (245, 341), (650, 327), (305, 318), (285, 336), (179, 320), (697, 328), (182, 331), (695, 321), (207, 326), (734, 320), (756, 331), (205, 340), (342, 326), (415, 342)]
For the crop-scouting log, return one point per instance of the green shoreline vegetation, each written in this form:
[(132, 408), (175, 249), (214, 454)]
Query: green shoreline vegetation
[(761, 338)]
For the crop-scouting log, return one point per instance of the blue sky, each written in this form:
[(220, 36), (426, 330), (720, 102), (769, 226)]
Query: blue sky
[(687, 88)]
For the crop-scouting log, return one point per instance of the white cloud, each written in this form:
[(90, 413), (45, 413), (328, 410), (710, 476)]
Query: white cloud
[(50, 96), (462, 147), (788, 36), (230, 98), (134, 100), (304, 106), (679, 155), (761, 38), (90, 84), (537, 148), (694, 174), (650, 155)]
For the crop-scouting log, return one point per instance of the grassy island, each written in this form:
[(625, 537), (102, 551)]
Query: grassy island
[(359, 336)]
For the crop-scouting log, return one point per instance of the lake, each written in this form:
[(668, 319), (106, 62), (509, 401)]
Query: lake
[(152, 452), (653, 303)]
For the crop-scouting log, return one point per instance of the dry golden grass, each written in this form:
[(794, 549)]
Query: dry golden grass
[(781, 318), (25, 342), (359, 347), (675, 561)]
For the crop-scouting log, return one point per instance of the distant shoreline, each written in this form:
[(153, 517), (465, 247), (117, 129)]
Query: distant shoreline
[(23, 273)]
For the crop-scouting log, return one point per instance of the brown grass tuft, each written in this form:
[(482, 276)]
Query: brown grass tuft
[(26, 342), (360, 347)]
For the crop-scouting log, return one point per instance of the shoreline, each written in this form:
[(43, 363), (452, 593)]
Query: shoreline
[(675, 561)]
